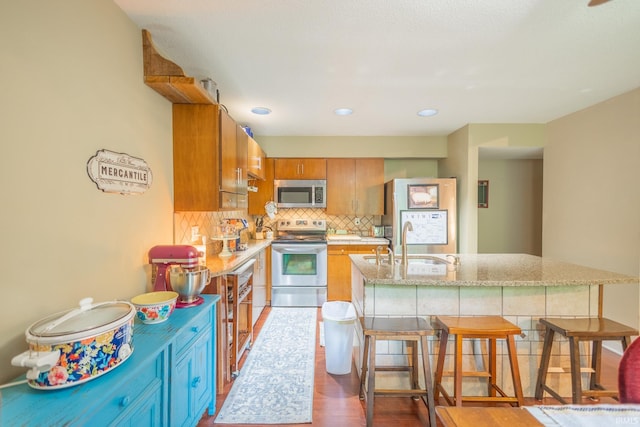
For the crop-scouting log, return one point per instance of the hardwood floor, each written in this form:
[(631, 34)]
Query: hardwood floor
[(336, 402)]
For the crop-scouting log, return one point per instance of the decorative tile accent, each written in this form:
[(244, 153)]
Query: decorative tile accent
[(206, 221), (342, 222)]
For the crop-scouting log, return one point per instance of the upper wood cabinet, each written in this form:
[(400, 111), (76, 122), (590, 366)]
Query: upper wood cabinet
[(209, 159), (196, 149), (233, 163), (264, 194), (355, 187), (300, 169), (256, 160)]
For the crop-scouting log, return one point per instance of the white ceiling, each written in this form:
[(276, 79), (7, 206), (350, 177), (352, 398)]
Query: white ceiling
[(476, 61)]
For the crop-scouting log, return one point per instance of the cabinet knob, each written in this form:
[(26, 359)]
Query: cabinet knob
[(125, 401), (195, 382), (195, 329)]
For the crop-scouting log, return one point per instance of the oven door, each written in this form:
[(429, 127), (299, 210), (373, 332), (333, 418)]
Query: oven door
[(299, 264)]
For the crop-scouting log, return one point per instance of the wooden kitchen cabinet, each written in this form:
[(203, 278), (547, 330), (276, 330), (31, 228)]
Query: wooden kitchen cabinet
[(196, 157), (355, 186), (209, 159), (300, 169), (258, 199), (256, 160), (233, 163), (339, 269)]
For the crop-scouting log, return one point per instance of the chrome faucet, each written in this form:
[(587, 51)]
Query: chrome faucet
[(407, 227), (378, 251), (456, 259), (392, 259), (389, 253)]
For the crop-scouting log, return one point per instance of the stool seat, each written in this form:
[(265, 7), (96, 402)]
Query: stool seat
[(491, 328), (589, 327), (412, 330), (392, 326), (477, 326), (594, 329)]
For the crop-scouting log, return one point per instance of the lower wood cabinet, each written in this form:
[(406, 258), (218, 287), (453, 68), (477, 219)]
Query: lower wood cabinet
[(339, 269), (168, 380)]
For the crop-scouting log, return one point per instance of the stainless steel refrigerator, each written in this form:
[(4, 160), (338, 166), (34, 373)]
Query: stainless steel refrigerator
[(430, 205)]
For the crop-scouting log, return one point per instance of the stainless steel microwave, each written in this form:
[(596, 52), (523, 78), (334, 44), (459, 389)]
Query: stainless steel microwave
[(300, 193)]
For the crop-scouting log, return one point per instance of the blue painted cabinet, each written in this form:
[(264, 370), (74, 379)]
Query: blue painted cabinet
[(168, 380), (190, 389)]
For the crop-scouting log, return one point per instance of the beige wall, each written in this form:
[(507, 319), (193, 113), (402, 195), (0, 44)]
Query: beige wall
[(461, 165), (513, 221), (72, 85), (410, 168), (354, 146), (462, 162), (591, 212)]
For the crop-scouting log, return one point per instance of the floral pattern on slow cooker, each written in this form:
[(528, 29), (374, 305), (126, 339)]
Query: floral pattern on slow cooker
[(153, 313), (84, 359)]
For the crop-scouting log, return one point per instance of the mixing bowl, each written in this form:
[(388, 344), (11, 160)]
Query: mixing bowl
[(155, 307), (189, 283)]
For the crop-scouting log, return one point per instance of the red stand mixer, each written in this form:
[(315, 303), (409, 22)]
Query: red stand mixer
[(178, 269)]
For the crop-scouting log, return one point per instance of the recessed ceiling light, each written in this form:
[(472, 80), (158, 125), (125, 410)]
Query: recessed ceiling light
[(343, 111), (263, 111), (427, 112)]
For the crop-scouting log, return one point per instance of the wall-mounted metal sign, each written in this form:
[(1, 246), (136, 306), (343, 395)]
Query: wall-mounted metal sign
[(119, 173)]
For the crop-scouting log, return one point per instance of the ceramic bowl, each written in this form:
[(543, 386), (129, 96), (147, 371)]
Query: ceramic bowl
[(155, 307)]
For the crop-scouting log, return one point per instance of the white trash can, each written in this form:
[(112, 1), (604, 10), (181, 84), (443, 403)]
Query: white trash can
[(338, 318)]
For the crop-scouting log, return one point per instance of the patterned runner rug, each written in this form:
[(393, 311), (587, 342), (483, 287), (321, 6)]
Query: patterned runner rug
[(275, 385)]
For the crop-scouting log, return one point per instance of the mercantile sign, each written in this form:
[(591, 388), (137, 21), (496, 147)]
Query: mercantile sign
[(119, 173)]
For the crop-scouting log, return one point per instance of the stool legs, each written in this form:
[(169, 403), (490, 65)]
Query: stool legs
[(457, 372), (444, 336), (515, 369), (365, 363), (576, 383), (428, 382), (492, 383), (371, 373), (544, 366), (595, 389), (492, 387), (369, 370)]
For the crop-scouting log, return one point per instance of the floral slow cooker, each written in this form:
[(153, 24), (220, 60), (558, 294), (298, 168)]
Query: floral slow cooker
[(78, 345)]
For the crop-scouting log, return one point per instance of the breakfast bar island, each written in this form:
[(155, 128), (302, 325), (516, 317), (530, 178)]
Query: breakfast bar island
[(521, 288)]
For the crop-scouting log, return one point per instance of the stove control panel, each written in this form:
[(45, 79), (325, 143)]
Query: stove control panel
[(302, 224)]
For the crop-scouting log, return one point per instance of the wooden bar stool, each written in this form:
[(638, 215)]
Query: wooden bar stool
[(412, 330), (595, 329), (491, 328)]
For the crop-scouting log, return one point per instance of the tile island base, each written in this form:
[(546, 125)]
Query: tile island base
[(520, 288)]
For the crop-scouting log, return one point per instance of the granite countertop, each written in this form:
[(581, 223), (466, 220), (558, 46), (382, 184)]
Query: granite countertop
[(488, 270), (220, 266)]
